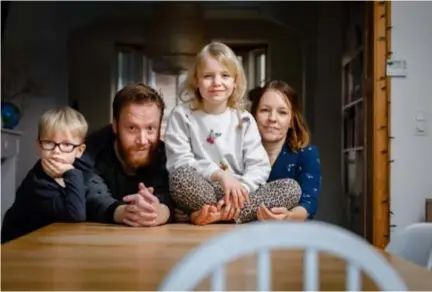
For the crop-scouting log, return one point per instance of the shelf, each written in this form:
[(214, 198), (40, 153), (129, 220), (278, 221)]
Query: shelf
[(353, 149), (11, 132), (352, 103)]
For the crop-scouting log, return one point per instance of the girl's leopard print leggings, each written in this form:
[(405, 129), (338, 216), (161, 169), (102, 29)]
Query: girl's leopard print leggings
[(191, 191)]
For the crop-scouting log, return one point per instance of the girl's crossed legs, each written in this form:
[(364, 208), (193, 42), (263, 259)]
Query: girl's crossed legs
[(191, 191)]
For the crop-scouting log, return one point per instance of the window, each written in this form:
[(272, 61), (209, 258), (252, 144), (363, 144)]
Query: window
[(131, 66), (168, 85), (254, 60), (134, 66), (260, 68)]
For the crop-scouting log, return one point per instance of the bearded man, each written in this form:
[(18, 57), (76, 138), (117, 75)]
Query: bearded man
[(131, 159)]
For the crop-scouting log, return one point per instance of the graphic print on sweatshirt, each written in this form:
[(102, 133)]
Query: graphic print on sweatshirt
[(212, 136)]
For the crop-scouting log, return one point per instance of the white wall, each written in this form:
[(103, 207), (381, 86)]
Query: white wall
[(411, 171)]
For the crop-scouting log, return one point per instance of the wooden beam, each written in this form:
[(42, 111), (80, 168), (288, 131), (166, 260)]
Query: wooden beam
[(381, 125), (368, 73)]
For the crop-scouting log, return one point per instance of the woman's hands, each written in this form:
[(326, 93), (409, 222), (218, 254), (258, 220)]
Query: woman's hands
[(278, 213), (297, 213)]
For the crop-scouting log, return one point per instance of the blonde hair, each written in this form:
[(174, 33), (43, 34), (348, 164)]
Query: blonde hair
[(189, 91), (63, 119)]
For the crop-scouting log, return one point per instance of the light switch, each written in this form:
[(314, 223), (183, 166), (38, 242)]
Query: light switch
[(421, 128), (420, 125), (396, 68), (420, 116)]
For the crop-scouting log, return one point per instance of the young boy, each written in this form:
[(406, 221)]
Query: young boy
[(60, 187)]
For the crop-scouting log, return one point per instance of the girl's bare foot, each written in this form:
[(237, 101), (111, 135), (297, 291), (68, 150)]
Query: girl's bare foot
[(208, 214)]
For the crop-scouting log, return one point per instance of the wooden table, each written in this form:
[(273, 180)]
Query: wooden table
[(107, 257)]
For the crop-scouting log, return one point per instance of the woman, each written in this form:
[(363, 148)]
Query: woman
[(286, 140)]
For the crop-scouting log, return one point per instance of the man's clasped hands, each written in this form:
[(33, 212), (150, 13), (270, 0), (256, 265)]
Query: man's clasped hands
[(142, 209)]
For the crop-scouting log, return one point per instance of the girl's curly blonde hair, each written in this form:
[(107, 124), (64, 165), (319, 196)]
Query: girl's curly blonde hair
[(189, 91)]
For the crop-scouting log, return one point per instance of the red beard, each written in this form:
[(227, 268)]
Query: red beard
[(135, 156)]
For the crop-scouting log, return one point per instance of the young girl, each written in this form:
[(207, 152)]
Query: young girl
[(214, 152)]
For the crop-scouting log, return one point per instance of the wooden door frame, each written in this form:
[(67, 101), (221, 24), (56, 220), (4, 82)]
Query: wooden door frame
[(380, 41)]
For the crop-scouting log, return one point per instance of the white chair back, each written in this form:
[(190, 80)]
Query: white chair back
[(261, 237), (414, 244)]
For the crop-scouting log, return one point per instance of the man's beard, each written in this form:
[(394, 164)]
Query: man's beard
[(134, 159)]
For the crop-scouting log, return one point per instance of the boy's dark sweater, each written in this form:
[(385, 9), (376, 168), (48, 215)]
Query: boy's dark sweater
[(40, 201)]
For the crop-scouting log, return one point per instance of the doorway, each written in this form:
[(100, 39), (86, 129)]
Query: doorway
[(365, 120)]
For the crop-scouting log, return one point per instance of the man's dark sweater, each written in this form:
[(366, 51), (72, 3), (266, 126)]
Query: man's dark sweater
[(100, 152), (40, 201)]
